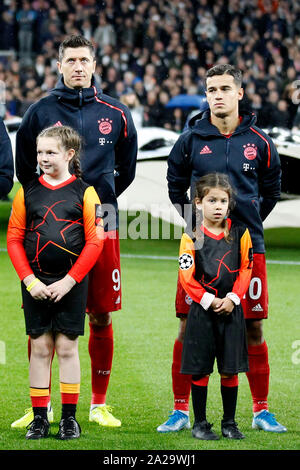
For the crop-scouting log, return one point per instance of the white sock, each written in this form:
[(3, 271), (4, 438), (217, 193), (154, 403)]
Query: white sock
[(185, 412), (94, 405), (258, 412)]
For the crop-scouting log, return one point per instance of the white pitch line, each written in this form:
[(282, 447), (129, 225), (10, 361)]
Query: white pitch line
[(174, 258), (159, 257), (274, 261)]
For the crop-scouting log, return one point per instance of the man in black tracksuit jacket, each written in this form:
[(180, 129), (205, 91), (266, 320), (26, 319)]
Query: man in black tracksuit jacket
[(108, 158), (221, 139), (108, 162), (202, 149)]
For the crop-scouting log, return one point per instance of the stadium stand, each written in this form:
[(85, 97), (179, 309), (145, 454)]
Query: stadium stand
[(155, 50)]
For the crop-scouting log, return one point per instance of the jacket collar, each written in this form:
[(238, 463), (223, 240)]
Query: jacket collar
[(79, 96), (200, 124)]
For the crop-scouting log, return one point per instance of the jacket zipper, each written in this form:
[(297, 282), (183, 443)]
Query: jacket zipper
[(227, 152), (80, 111)]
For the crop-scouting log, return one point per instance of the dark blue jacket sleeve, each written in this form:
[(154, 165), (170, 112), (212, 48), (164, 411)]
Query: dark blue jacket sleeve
[(125, 155), (26, 162), (6, 162), (179, 174), (270, 181)]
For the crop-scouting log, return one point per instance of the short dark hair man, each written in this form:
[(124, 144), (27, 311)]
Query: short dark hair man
[(224, 140), (108, 163)]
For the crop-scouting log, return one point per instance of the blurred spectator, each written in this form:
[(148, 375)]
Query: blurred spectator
[(50, 17), (13, 104), (8, 30), (43, 12), (274, 112), (283, 114), (130, 99), (166, 116), (109, 80), (140, 90), (151, 110), (231, 44), (26, 18), (128, 78), (104, 34), (150, 77), (87, 29), (128, 33), (40, 66), (206, 27)]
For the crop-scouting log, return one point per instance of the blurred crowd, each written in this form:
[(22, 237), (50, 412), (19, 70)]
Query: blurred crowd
[(149, 51)]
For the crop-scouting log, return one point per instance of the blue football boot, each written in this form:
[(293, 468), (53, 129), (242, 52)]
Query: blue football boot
[(177, 421)]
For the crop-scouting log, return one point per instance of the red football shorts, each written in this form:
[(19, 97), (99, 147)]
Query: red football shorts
[(104, 294), (255, 301)]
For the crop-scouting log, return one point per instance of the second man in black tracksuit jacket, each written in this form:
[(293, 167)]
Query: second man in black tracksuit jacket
[(248, 157), (109, 151)]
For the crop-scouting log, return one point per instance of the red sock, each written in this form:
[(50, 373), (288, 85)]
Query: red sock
[(232, 381), (29, 354), (258, 375), (202, 382), (101, 345), (39, 397), (181, 382), (69, 393)]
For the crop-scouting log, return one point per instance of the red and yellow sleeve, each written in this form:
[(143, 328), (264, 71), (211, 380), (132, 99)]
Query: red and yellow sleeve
[(94, 236), (243, 280), (16, 234), (187, 269)]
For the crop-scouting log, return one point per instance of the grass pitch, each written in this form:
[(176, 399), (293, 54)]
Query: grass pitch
[(140, 389)]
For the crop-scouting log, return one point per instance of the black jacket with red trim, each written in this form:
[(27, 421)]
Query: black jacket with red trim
[(248, 157), (109, 152)]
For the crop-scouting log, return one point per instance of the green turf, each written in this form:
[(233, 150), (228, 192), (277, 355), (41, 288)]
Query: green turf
[(140, 386)]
